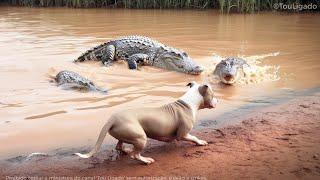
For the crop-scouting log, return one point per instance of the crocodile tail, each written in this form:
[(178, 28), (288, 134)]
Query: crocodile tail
[(102, 135), (90, 54), (102, 91), (98, 89)]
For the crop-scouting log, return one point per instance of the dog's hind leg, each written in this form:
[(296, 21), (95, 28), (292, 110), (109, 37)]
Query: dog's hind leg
[(131, 133), (138, 145), (123, 149)]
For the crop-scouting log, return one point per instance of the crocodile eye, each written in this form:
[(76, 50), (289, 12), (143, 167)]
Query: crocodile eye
[(185, 54), (176, 55)]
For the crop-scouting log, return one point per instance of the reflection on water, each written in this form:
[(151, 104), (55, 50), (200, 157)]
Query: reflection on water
[(36, 43)]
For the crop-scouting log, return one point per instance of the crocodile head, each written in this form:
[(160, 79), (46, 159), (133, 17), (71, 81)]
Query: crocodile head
[(175, 60), (230, 70)]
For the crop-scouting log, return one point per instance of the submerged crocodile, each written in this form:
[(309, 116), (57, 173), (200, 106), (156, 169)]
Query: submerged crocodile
[(71, 80), (140, 50), (230, 70)]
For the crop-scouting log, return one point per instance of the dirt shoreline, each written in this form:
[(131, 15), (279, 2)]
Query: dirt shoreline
[(280, 142)]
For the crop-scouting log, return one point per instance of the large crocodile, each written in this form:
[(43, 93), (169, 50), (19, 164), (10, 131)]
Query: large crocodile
[(230, 70), (69, 79), (140, 50)]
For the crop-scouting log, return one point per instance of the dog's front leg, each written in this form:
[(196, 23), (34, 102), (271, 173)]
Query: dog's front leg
[(189, 137)]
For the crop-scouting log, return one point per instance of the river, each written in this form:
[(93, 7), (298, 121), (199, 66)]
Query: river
[(36, 43)]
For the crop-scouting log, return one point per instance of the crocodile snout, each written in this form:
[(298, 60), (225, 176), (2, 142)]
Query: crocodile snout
[(197, 70), (228, 77)]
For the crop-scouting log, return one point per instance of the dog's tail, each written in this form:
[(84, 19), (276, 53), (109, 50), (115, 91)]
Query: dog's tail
[(102, 135)]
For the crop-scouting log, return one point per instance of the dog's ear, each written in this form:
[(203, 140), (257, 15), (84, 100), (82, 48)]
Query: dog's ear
[(208, 96), (203, 89), (190, 84)]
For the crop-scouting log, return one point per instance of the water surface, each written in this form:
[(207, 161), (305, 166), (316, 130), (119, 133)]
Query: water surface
[(36, 43)]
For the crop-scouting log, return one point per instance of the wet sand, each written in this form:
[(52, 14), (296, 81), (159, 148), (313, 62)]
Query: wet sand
[(278, 142)]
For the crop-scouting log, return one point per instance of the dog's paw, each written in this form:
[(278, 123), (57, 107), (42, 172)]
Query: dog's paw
[(148, 160), (145, 160), (202, 143)]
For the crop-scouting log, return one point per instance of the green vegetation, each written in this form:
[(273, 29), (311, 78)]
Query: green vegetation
[(226, 6)]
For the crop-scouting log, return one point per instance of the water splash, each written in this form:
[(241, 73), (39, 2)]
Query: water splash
[(256, 72)]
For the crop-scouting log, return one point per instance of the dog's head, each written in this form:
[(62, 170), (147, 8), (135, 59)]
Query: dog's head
[(208, 98)]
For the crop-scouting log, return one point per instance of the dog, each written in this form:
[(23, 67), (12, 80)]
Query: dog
[(169, 122)]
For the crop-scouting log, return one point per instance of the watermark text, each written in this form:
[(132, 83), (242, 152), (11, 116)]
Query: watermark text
[(295, 6), (104, 178)]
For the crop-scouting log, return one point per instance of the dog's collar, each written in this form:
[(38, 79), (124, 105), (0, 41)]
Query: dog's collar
[(183, 103)]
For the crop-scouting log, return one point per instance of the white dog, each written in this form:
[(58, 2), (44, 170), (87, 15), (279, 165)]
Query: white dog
[(165, 123)]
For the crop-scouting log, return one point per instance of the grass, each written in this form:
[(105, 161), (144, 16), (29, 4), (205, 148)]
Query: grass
[(225, 6), (139, 4), (249, 6)]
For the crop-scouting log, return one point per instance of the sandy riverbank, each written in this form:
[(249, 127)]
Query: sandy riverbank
[(280, 142)]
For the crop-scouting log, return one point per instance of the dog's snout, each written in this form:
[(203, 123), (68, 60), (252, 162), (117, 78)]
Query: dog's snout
[(214, 102)]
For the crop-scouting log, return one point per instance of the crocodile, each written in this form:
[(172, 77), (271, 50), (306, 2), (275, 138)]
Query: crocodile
[(141, 50), (70, 79), (230, 70)]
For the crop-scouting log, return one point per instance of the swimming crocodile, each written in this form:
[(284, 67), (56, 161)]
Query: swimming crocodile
[(230, 70), (69, 79), (140, 50)]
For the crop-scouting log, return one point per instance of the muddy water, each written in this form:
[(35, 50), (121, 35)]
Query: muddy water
[(35, 115)]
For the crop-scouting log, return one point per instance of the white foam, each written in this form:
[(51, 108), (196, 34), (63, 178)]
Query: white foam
[(36, 154)]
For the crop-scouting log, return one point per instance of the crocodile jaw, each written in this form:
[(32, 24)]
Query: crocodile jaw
[(230, 78), (196, 71), (183, 65)]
